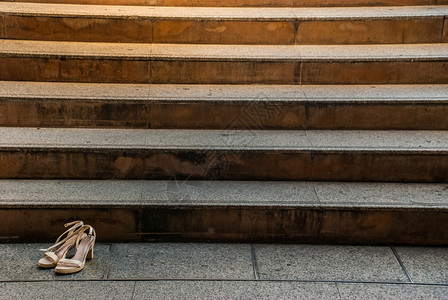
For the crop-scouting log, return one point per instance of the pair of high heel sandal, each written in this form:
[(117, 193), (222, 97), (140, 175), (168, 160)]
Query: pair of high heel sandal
[(80, 236)]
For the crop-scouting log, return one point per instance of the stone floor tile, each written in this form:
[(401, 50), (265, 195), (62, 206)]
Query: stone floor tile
[(180, 261), (425, 264), (67, 290), (391, 291), (233, 290), (309, 262), (19, 262), (97, 268)]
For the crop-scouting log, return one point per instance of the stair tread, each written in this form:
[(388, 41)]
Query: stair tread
[(246, 3), (133, 51), (228, 13), (234, 140), (424, 93), (112, 193)]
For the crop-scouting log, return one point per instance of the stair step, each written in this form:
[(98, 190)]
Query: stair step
[(306, 212), (223, 64), (388, 156), (53, 104), (248, 3), (205, 25)]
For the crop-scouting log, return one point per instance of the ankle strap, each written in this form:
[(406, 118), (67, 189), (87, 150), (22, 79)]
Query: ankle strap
[(81, 231), (76, 226)]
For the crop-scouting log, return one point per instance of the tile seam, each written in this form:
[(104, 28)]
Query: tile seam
[(230, 280), (133, 290), (400, 262), (4, 26), (444, 21), (338, 290), (139, 225), (142, 182), (254, 263), (149, 78), (106, 274), (153, 23), (296, 28), (317, 196)]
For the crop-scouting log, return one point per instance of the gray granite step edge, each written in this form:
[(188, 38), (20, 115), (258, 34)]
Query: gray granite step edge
[(77, 139), (182, 93), (249, 53), (220, 13), (176, 193)]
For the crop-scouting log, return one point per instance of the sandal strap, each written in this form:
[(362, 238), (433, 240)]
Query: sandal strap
[(81, 235), (51, 257), (76, 226), (70, 263)]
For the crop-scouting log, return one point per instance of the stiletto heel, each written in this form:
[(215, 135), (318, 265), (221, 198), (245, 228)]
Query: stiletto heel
[(90, 253), (52, 256), (84, 250)]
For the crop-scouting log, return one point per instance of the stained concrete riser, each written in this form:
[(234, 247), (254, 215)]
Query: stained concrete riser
[(306, 32), (233, 224), (348, 165), (29, 112), (223, 72)]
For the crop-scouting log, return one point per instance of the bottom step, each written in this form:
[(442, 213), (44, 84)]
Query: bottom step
[(176, 210)]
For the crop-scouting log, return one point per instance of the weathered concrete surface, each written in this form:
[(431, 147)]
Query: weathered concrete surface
[(365, 291), (221, 271), (58, 289), (218, 289), (45, 224), (83, 29), (229, 154), (176, 192), (403, 156), (310, 262), (425, 264), (223, 64), (223, 25), (52, 104), (248, 3), (182, 210)]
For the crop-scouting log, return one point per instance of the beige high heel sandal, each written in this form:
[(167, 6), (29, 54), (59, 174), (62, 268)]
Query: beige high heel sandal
[(84, 250), (52, 256)]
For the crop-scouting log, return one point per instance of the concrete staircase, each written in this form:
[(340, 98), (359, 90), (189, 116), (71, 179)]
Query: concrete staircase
[(286, 121)]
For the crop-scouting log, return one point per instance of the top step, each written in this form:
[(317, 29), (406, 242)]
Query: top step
[(246, 3), (217, 25)]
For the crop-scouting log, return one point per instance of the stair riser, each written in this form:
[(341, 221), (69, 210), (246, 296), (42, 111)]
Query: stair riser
[(268, 3), (209, 164), (273, 224), (215, 31), (223, 72), (2, 26), (44, 225), (445, 30), (223, 115)]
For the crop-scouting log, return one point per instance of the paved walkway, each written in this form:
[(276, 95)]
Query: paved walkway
[(153, 271)]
